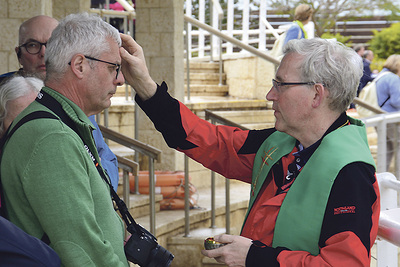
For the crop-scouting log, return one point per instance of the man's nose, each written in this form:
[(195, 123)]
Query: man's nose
[(42, 50), (271, 95), (120, 79)]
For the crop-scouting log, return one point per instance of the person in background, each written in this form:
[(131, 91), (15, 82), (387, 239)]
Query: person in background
[(302, 15), (367, 74), (360, 49), (50, 169), (314, 198), (15, 95), (33, 36), (388, 92)]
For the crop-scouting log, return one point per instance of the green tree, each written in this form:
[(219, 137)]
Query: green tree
[(386, 42), (327, 12)]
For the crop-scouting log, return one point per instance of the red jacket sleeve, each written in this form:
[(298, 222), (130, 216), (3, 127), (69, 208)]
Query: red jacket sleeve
[(227, 150)]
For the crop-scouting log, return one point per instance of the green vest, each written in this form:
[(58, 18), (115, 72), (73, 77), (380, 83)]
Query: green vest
[(299, 221)]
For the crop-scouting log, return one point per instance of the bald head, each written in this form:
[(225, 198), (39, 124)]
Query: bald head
[(39, 28), (36, 29)]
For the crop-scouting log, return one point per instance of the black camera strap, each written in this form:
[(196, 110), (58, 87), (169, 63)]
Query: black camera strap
[(52, 104)]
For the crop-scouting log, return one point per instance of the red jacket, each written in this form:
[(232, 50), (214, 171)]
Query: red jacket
[(351, 218)]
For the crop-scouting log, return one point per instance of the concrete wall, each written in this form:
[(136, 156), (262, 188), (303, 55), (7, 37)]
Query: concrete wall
[(249, 76)]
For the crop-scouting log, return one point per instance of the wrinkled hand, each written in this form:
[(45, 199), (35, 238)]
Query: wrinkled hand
[(134, 68), (234, 253)]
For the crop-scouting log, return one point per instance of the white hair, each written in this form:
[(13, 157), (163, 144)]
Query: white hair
[(14, 88), (77, 33), (329, 62)]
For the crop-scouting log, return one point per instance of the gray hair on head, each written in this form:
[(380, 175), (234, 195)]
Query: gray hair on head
[(329, 62), (77, 33), (14, 88)]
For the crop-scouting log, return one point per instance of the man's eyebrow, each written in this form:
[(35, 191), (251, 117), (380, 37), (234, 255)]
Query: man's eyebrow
[(29, 40)]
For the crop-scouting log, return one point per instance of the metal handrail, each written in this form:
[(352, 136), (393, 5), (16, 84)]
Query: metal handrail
[(366, 105), (380, 122), (232, 40), (145, 149), (127, 166), (210, 115)]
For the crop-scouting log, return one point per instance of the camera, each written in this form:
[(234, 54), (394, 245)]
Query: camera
[(142, 249)]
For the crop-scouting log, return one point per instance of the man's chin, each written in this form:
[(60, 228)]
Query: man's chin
[(40, 75)]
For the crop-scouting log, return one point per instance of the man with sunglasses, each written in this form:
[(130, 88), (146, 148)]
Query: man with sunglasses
[(53, 180), (33, 36), (314, 198)]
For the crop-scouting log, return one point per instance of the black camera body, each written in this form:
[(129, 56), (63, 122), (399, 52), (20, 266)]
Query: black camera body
[(142, 249)]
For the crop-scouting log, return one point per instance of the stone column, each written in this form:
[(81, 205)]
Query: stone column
[(159, 30), (62, 8)]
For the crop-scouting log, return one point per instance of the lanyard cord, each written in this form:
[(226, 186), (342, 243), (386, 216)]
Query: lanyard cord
[(52, 104)]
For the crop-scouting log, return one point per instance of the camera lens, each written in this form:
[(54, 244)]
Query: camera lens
[(160, 257)]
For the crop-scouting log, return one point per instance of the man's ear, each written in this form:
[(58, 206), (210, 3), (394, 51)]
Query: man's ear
[(321, 93), (77, 65), (18, 51)]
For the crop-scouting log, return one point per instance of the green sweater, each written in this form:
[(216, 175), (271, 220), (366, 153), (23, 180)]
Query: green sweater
[(52, 186)]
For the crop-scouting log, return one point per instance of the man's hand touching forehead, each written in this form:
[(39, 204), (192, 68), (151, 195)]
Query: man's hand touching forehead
[(134, 68)]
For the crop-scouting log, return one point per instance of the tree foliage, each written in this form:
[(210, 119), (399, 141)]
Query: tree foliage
[(327, 12), (386, 42)]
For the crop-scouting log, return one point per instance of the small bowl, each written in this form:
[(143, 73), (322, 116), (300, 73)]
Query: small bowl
[(210, 243)]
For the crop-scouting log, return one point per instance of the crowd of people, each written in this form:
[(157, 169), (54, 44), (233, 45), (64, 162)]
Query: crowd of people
[(314, 197)]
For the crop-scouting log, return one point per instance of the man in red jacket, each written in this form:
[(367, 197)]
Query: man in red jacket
[(314, 197)]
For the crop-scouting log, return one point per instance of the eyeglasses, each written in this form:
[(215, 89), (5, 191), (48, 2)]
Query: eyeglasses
[(33, 47), (277, 85), (114, 64)]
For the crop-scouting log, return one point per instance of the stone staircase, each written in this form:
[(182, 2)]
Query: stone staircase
[(205, 81)]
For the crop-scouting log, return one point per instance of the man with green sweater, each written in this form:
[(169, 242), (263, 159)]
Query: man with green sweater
[(51, 185)]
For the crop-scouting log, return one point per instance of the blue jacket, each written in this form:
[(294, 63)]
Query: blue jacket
[(366, 75), (108, 159), (293, 33), (389, 86), (17, 248)]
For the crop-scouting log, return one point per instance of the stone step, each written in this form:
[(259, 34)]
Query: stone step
[(140, 204), (199, 103), (208, 89), (204, 67), (248, 116), (206, 78), (171, 223), (188, 248)]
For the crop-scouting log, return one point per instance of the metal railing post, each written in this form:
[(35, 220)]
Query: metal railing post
[(187, 62), (220, 53), (152, 197), (187, 203), (227, 206), (213, 224), (136, 156), (212, 200), (126, 188)]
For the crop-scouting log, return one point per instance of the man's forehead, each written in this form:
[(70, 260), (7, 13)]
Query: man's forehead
[(289, 67), (39, 30)]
